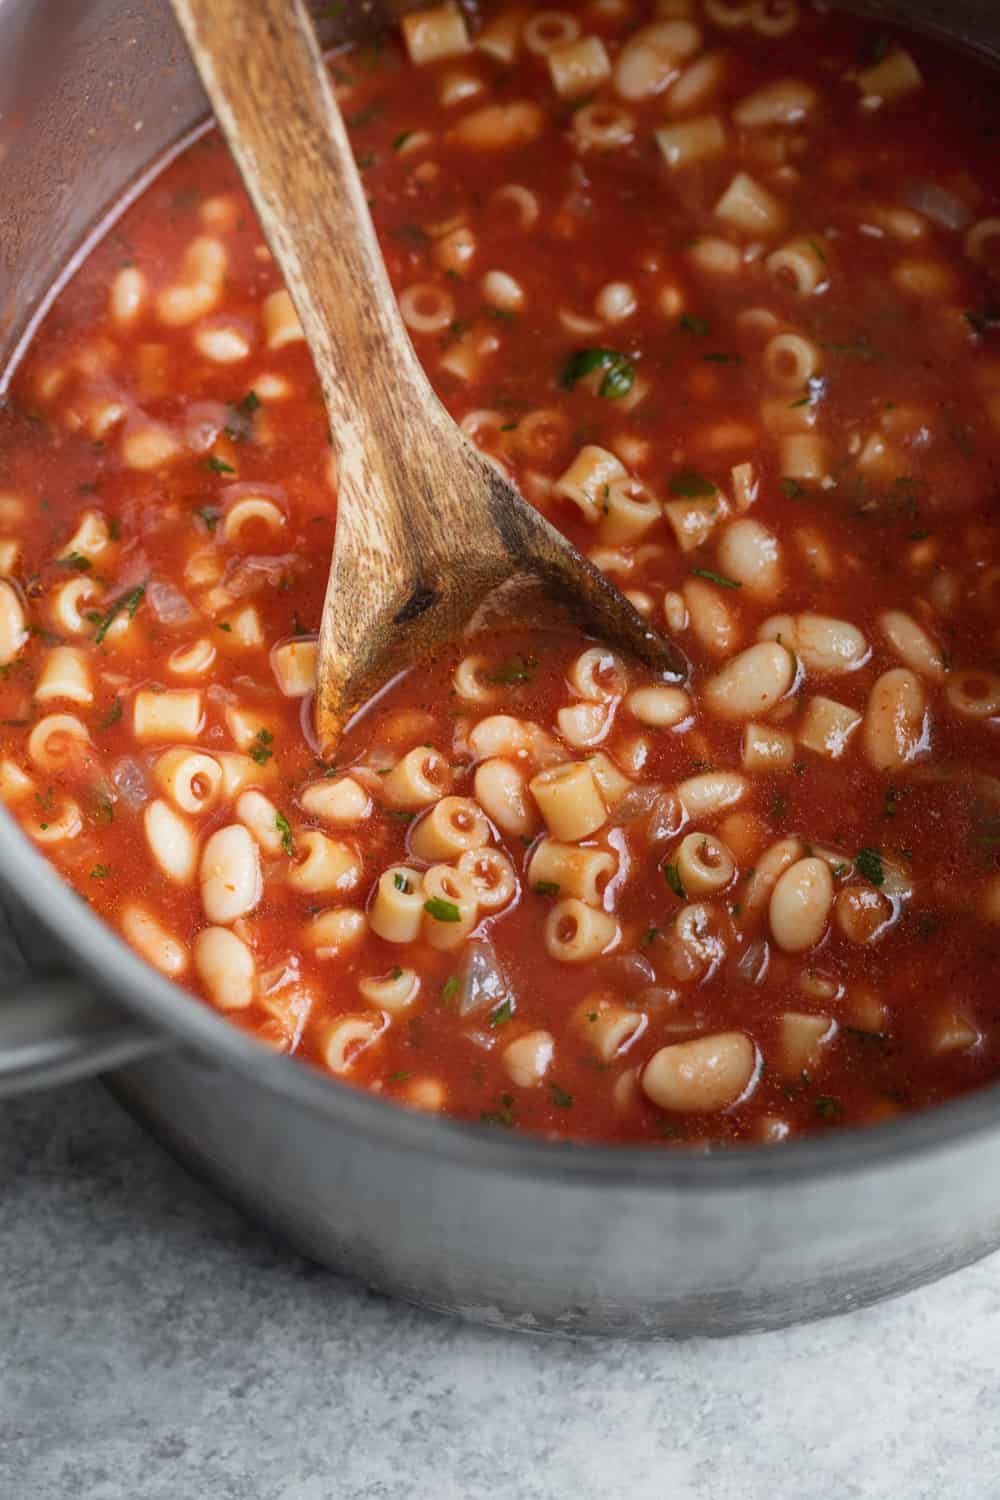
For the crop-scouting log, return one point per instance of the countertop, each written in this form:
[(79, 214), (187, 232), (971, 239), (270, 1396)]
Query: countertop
[(155, 1346)]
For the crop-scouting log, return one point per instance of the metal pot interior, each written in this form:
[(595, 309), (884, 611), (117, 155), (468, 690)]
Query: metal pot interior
[(94, 94)]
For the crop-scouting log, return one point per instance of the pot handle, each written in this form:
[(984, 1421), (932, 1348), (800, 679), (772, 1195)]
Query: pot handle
[(54, 1028)]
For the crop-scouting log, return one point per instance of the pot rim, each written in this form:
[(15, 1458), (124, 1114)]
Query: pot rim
[(168, 1007)]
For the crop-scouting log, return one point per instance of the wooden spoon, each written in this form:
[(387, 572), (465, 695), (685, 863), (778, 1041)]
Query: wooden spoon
[(427, 528)]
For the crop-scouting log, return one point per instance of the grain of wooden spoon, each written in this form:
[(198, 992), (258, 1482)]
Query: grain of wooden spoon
[(427, 529)]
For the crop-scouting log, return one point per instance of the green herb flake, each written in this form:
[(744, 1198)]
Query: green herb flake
[(650, 936), (75, 561), (216, 465), (398, 815), (449, 990), (260, 751), (560, 1098), (129, 602), (546, 888), (100, 872), (283, 826), (225, 625), (724, 583), (792, 488), (398, 1077), (402, 138), (504, 1115), (719, 358), (868, 863), (892, 797), (112, 716), (619, 376), (442, 910), (691, 485), (502, 1014), (515, 669), (210, 515), (695, 326), (672, 876), (839, 871), (827, 1108)]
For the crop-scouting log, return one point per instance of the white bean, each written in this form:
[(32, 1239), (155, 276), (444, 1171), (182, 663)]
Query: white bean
[(700, 1076), (800, 904), (230, 874), (895, 729), (752, 682)]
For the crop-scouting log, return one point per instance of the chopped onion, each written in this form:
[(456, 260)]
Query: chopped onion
[(629, 970), (482, 982), (636, 803), (665, 819), (130, 781), (251, 573), (936, 204), (752, 964), (168, 603)]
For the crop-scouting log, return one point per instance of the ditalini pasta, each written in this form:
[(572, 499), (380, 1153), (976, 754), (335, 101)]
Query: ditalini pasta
[(716, 282)]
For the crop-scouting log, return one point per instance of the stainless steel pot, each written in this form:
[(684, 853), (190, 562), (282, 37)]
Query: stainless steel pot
[(518, 1232)]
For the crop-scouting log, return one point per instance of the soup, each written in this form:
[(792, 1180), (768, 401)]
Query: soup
[(716, 285)]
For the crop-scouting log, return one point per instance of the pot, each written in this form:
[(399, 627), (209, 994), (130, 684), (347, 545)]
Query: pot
[(519, 1232)]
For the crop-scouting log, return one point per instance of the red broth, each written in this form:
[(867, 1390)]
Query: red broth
[(721, 296)]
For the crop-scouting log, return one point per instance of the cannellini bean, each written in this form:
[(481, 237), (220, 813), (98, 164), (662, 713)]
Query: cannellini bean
[(13, 625), (895, 729), (171, 841), (800, 904), (821, 643), (152, 940), (226, 967), (701, 1076), (749, 554), (711, 791), (231, 883), (751, 683), (659, 707), (912, 644), (528, 1059)]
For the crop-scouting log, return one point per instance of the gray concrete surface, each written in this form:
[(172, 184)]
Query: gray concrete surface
[(154, 1346)]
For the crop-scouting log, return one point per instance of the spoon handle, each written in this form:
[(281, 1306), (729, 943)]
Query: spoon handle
[(266, 80)]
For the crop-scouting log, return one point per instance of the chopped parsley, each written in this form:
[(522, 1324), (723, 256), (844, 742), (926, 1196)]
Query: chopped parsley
[(515, 669), (673, 879), (402, 138), (210, 515), (112, 716), (260, 751), (129, 601), (649, 936), (239, 425), (827, 1108), (892, 797), (395, 972), (400, 882), (502, 1014), (792, 488), (77, 561), (696, 326), (546, 887), (691, 485), (217, 465), (504, 1115), (619, 371), (560, 1098), (398, 1077), (720, 358), (868, 863), (724, 583), (839, 870), (449, 989), (442, 910), (100, 872), (283, 826)]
